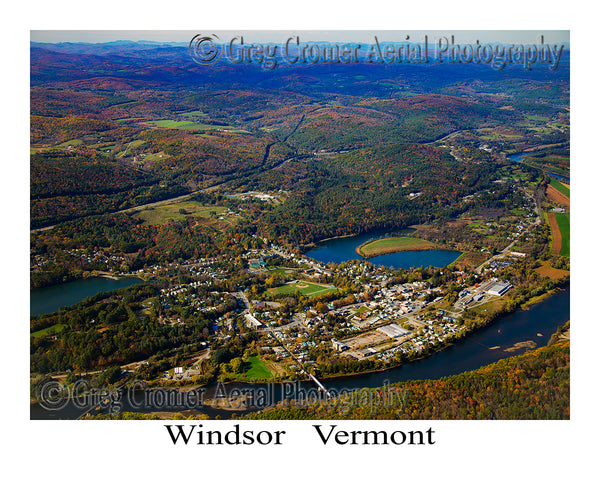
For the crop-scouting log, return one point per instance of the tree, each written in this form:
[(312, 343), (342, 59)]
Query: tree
[(236, 365)]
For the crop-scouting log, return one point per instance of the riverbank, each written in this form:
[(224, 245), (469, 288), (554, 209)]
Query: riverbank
[(383, 246), (482, 346), (538, 299)]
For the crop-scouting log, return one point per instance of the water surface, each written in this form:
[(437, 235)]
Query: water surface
[(339, 250), (50, 299)]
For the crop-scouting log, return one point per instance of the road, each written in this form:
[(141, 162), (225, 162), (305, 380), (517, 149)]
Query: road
[(146, 205), (504, 252), (242, 296), (258, 170)]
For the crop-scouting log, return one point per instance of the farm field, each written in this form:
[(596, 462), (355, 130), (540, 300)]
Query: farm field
[(554, 164), (190, 125), (393, 244), (175, 212), (307, 289), (557, 196), (555, 231), (550, 272), (560, 228), (564, 224), (561, 187)]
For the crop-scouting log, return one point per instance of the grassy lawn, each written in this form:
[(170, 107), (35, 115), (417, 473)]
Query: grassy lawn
[(563, 221), (255, 369), (48, 330), (165, 213), (305, 288), (394, 244)]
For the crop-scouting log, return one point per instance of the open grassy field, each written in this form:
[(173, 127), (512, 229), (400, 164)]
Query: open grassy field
[(394, 244), (470, 260), (492, 306), (255, 369), (194, 114), (190, 125), (280, 270), (308, 289), (76, 141), (48, 331), (173, 212)]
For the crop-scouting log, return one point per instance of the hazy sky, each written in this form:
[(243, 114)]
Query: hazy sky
[(462, 36)]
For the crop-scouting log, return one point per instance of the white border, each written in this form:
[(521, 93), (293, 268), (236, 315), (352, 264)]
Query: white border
[(465, 449)]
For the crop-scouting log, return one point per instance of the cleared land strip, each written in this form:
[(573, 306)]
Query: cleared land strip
[(556, 236)]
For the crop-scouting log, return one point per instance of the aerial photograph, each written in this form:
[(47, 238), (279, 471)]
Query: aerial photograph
[(299, 225)]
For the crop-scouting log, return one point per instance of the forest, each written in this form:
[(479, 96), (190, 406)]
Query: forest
[(534, 385)]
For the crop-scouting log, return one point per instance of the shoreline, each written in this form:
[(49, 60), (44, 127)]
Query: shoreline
[(93, 274)]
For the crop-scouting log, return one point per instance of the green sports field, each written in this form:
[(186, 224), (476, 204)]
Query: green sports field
[(307, 289)]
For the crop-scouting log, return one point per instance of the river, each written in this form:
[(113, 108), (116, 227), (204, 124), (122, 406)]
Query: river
[(518, 157), (50, 299), (502, 339), (339, 250)]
